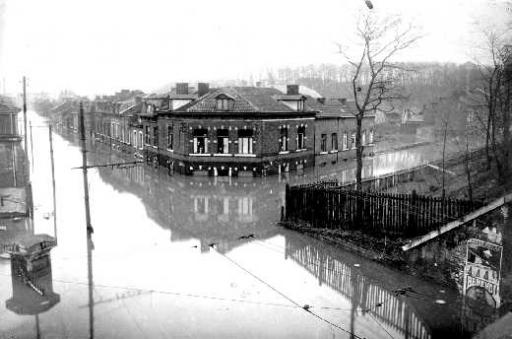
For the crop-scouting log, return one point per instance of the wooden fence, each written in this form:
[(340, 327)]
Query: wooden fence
[(325, 205)]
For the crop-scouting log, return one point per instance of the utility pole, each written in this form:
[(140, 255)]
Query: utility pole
[(84, 170), (25, 112), (53, 184), (89, 229)]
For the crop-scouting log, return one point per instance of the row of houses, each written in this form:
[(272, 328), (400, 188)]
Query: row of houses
[(233, 131)]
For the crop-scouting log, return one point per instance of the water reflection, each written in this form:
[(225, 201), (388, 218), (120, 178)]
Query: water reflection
[(233, 217), (477, 261)]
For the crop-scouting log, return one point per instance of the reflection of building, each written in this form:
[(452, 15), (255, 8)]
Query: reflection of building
[(406, 304), (212, 210)]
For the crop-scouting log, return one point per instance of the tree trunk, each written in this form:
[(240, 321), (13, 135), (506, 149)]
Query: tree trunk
[(487, 141), (359, 153), (444, 152), (468, 170)]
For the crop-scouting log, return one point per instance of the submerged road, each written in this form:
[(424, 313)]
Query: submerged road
[(203, 258)]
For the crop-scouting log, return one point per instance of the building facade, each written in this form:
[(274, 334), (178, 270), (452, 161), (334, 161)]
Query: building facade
[(234, 131), (227, 131)]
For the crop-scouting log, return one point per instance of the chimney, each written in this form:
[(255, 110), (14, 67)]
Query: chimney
[(292, 89), (202, 88), (321, 100), (182, 88)]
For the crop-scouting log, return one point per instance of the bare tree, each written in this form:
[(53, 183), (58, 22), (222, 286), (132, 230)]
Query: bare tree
[(495, 118), (374, 71)]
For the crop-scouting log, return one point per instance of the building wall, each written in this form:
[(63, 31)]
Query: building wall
[(264, 159), (341, 126)]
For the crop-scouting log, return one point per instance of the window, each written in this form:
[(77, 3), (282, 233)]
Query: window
[(345, 141), (323, 143), (147, 135), (245, 206), (200, 141), (155, 136), (222, 104), (141, 145), (283, 139), (245, 141), (301, 136), (222, 141), (170, 137), (370, 137), (353, 141), (300, 105), (363, 137), (134, 139), (334, 141)]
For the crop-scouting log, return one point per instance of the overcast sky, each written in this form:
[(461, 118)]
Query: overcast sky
[(100, 46)]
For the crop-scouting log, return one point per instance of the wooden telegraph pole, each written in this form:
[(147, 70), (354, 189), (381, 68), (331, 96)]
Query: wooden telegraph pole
[(25, 113), (89, 229), (53, 183)]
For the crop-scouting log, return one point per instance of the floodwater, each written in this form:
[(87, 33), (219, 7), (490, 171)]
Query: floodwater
[(197, 257)]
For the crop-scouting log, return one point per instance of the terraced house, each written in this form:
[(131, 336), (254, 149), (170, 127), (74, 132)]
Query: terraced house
[(231, 131)]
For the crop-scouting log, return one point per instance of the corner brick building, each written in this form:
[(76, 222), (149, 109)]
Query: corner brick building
[(242, 131)]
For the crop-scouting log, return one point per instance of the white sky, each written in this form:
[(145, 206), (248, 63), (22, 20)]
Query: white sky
[(100, 46)]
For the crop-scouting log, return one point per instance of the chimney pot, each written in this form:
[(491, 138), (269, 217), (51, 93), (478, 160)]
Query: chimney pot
[(182, 88), (202, 88), (292, 89)]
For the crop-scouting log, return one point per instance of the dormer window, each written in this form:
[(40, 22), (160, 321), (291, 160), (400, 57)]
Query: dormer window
[(149, 109), (300, 105), (224, 102)]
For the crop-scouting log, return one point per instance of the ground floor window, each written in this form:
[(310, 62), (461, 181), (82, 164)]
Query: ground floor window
[(222, 141), (245, 141), (141, 145), (301, 136), (170, 137), (147, 135), (323, 143), (155, 136), (200, 141), (345, 141), (283, 140), (353, 141)]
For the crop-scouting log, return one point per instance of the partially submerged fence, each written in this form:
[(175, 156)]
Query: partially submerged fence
[(325, 205)]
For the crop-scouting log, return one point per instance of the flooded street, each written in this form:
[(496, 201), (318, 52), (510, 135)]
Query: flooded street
[(202, 257)]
